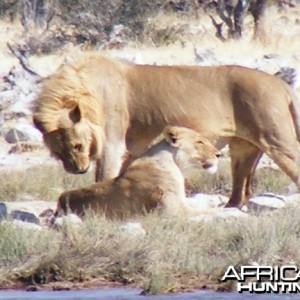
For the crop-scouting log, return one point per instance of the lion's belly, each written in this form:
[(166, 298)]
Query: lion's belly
[(219, 130)]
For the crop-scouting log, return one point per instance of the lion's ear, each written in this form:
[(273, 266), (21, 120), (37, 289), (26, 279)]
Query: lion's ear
[(171, 135), (38, 125), (75, 114)]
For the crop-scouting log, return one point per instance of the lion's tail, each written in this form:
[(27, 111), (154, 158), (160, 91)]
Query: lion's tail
[(294, 106)]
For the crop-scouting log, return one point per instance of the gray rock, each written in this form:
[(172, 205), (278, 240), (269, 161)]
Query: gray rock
[(14, 136), (287, 74), (3, 211), (24, 216), (23, 133), (37, 208)]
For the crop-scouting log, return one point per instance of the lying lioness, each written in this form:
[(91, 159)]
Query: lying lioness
[(155, 179)]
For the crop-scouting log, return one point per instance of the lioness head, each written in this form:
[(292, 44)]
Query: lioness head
[(192, 149), (74, 142)]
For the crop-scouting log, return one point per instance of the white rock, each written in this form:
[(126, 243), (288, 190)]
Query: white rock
[(68, 220), (268, 201), (137, 59), (229, 212), (132, 228), (22, 107), (292, 199), (204, 201), (219, 213)]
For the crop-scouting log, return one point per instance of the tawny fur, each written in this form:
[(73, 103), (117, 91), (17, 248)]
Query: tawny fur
[(154, 180), (99, 108)]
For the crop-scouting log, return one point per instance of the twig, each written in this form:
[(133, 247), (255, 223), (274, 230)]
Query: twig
[(22, 57)]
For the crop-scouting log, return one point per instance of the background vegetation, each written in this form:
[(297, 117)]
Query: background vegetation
[(50, 24)]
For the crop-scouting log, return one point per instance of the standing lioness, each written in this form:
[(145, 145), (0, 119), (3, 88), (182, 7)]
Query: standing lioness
[(97, 108), (155, 179)]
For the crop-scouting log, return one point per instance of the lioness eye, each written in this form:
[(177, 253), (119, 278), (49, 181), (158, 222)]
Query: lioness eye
[(78, 147), (200, 142)]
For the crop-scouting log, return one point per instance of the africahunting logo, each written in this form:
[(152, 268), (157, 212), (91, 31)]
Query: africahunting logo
[(264, 279)]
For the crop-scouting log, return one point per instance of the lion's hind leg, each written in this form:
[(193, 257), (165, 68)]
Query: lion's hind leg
[(288, 160)]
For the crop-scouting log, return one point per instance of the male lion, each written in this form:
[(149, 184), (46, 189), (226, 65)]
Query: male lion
[(97, 108), (155, 179)]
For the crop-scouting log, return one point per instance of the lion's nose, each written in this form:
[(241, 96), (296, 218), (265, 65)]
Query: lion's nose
[(82, 170), (75, 169)]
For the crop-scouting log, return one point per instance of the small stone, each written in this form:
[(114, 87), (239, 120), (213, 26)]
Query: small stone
[(3, 211)]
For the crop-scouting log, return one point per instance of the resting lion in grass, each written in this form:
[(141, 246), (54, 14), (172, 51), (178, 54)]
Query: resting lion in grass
[(98, 108), (155, 179)]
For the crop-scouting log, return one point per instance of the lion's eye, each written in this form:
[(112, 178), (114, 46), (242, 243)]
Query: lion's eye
[(78, 147), (200, 142)]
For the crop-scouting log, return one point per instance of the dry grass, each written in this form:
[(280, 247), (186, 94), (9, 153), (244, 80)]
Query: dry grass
[(173, 255), (47, 183), (265, 180), (39, 182)]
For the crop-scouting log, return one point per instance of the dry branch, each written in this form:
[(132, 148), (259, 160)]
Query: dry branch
[(21, 55)]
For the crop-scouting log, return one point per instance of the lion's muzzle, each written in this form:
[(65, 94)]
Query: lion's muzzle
[(74, 168)]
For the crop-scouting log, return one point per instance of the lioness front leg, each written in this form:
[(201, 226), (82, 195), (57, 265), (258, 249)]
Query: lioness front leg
[(244, 158)]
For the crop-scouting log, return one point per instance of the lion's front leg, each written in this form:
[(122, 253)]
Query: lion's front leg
[(109, 164), (244, 158)]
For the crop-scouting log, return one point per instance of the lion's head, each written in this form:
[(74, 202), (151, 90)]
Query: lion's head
[(193, 150), (68, 114)]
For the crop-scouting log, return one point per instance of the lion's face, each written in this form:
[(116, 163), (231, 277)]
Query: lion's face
[(193, 151), (75, 141), (73, 146)]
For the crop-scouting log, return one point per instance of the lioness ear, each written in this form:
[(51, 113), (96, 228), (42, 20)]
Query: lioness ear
[(171, 135), (75, 114)]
